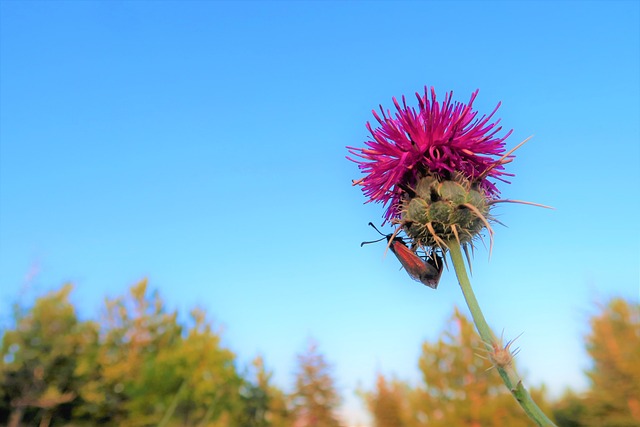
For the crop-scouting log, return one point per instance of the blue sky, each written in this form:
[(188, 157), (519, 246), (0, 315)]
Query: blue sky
[(202, 145)]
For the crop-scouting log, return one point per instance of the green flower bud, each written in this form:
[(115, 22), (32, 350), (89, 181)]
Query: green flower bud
[(417, 211), (426, 186), (441, 211), (453, 192)]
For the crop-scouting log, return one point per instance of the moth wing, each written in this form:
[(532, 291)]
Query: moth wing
[(428, 273), (433, 271), (412, 263)]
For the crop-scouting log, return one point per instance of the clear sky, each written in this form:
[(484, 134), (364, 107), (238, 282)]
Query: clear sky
[(202, 145)]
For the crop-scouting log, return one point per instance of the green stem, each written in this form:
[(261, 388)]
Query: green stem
[(508, 373)]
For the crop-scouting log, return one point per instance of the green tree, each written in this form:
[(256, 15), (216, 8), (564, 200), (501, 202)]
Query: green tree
[(264, 405), (460, 387), (121, 388), (145, 372), (39, 378), (136, 367), (388, 403), (208, 373), (315, 398), (613, 399), (570, 410)]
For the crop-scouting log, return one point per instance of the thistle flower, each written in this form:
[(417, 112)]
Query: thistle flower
[(432, 167)]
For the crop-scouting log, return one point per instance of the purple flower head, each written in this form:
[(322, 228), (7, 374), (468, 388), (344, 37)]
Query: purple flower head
[(441, 140)]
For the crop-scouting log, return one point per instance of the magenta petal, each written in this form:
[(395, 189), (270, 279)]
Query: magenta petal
[(438, 139)]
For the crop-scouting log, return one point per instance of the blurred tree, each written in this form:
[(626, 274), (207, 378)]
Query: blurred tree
[(120, 388), (38, 376), (208, 372), (315, 398), (138, 369), (388, 403), (613, 399), (255, 405), (264, 405), (460, 388), (569, 410), (146, 373)]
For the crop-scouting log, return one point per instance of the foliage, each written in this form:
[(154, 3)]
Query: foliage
[(613, 398), (570, 410), (458, 387), (461, 388), (39, 362), (136, 367), (136, 335), (614, 345), (139, 366), (388, 403), (315, 398), (263, 404)]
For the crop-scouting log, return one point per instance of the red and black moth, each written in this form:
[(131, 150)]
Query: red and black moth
[(424, 270)]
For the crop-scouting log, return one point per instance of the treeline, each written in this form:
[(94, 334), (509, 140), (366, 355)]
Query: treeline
[(137, 365), (459, 387)]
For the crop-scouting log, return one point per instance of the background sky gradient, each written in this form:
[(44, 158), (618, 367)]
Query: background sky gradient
[(202, 145)]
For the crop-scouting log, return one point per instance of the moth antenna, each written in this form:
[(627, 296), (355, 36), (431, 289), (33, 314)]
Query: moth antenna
[(379, 232), (390, 238), (373, 241)]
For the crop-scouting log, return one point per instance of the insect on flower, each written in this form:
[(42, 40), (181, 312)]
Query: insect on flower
[(426, 271)]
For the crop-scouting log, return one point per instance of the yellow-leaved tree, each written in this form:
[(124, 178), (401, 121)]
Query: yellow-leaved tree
[(458, 387)]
